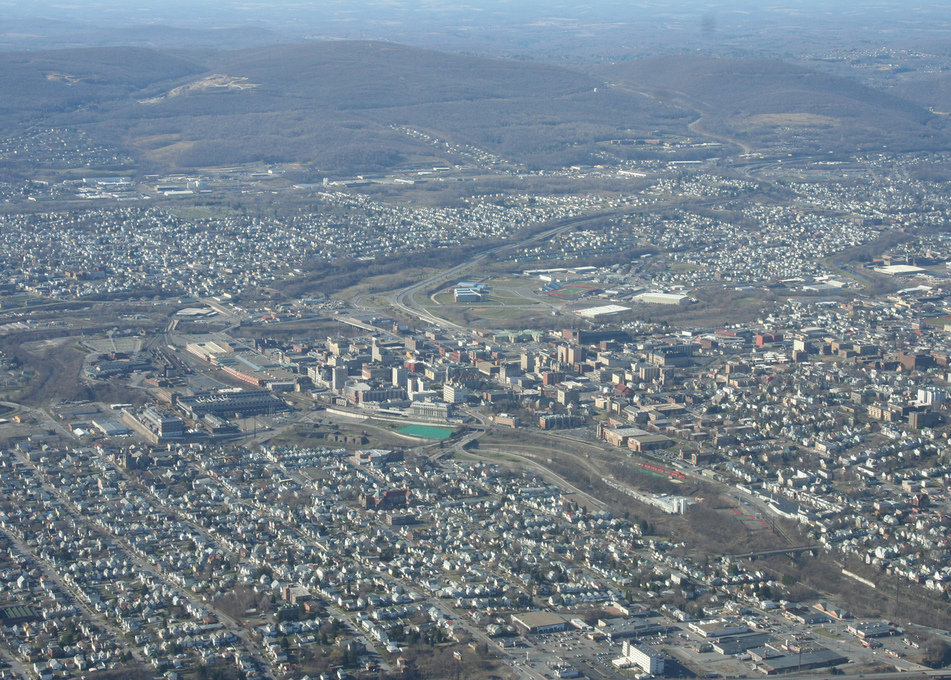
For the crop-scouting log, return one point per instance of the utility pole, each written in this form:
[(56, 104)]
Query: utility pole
[(897, 612)]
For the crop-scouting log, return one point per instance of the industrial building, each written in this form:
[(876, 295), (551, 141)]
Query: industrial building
[(466, 295), (228, 404), (540, 622), (466, 291), (602, 312), (155, 425), (714, 630), (165, 425), (658, 298), (795, 663), (247, 366)]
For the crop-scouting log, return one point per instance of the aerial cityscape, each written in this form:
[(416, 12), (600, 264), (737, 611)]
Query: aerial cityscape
[(421, 341)]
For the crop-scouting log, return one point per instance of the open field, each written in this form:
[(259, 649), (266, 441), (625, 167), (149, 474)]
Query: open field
[(500, 297), (792, 120), (571, 291)]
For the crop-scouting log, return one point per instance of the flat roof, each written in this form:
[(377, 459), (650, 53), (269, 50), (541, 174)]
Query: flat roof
[(816, 659), (627, 431), (539, 619), (603, 310), (660, 296), (900, 269)]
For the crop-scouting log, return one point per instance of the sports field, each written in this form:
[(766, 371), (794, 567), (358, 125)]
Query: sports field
[(427, 432)]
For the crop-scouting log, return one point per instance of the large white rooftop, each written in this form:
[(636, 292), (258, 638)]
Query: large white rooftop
[(602, 310)]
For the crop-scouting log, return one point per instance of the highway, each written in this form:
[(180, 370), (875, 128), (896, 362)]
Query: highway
[(404, 300)]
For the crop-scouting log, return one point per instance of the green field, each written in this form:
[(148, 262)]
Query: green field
[(427, 432)]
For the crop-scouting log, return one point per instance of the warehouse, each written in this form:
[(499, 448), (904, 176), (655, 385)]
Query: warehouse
[(602, 311), (656, 298), (540, 622)]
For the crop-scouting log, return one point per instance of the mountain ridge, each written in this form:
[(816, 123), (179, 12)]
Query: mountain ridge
[(345, 106)]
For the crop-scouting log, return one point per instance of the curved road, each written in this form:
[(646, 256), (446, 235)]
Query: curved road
[(404, 300)]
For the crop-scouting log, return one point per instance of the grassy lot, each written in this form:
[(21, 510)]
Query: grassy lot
[(501, 297), (385, 282)]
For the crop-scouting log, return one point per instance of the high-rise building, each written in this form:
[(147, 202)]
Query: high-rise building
[(644, 657), (338, 378)]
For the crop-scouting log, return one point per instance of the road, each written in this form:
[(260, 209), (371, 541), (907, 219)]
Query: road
[(51, 572), (149, 566), (458, 446), (511, 658), (601, 449), (404, 300), (545, 472), (897, 675)]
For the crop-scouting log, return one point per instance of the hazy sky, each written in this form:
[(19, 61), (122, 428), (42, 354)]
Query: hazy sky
[(505, 24), (281, 12)]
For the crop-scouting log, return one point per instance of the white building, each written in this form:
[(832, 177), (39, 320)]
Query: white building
[(929, 396), (644, 657), (656, 298), (453, 394), (428, 410), (596, 313)]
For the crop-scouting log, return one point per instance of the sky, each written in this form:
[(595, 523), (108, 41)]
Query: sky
[(480, 25)]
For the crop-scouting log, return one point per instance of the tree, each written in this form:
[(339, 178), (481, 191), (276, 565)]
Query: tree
[(336, 657), (937, 652)]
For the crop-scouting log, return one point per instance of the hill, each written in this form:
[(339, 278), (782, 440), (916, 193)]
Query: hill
[(341, 107), (64, 81), (773, 104), (932, 92), (336, 106)]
